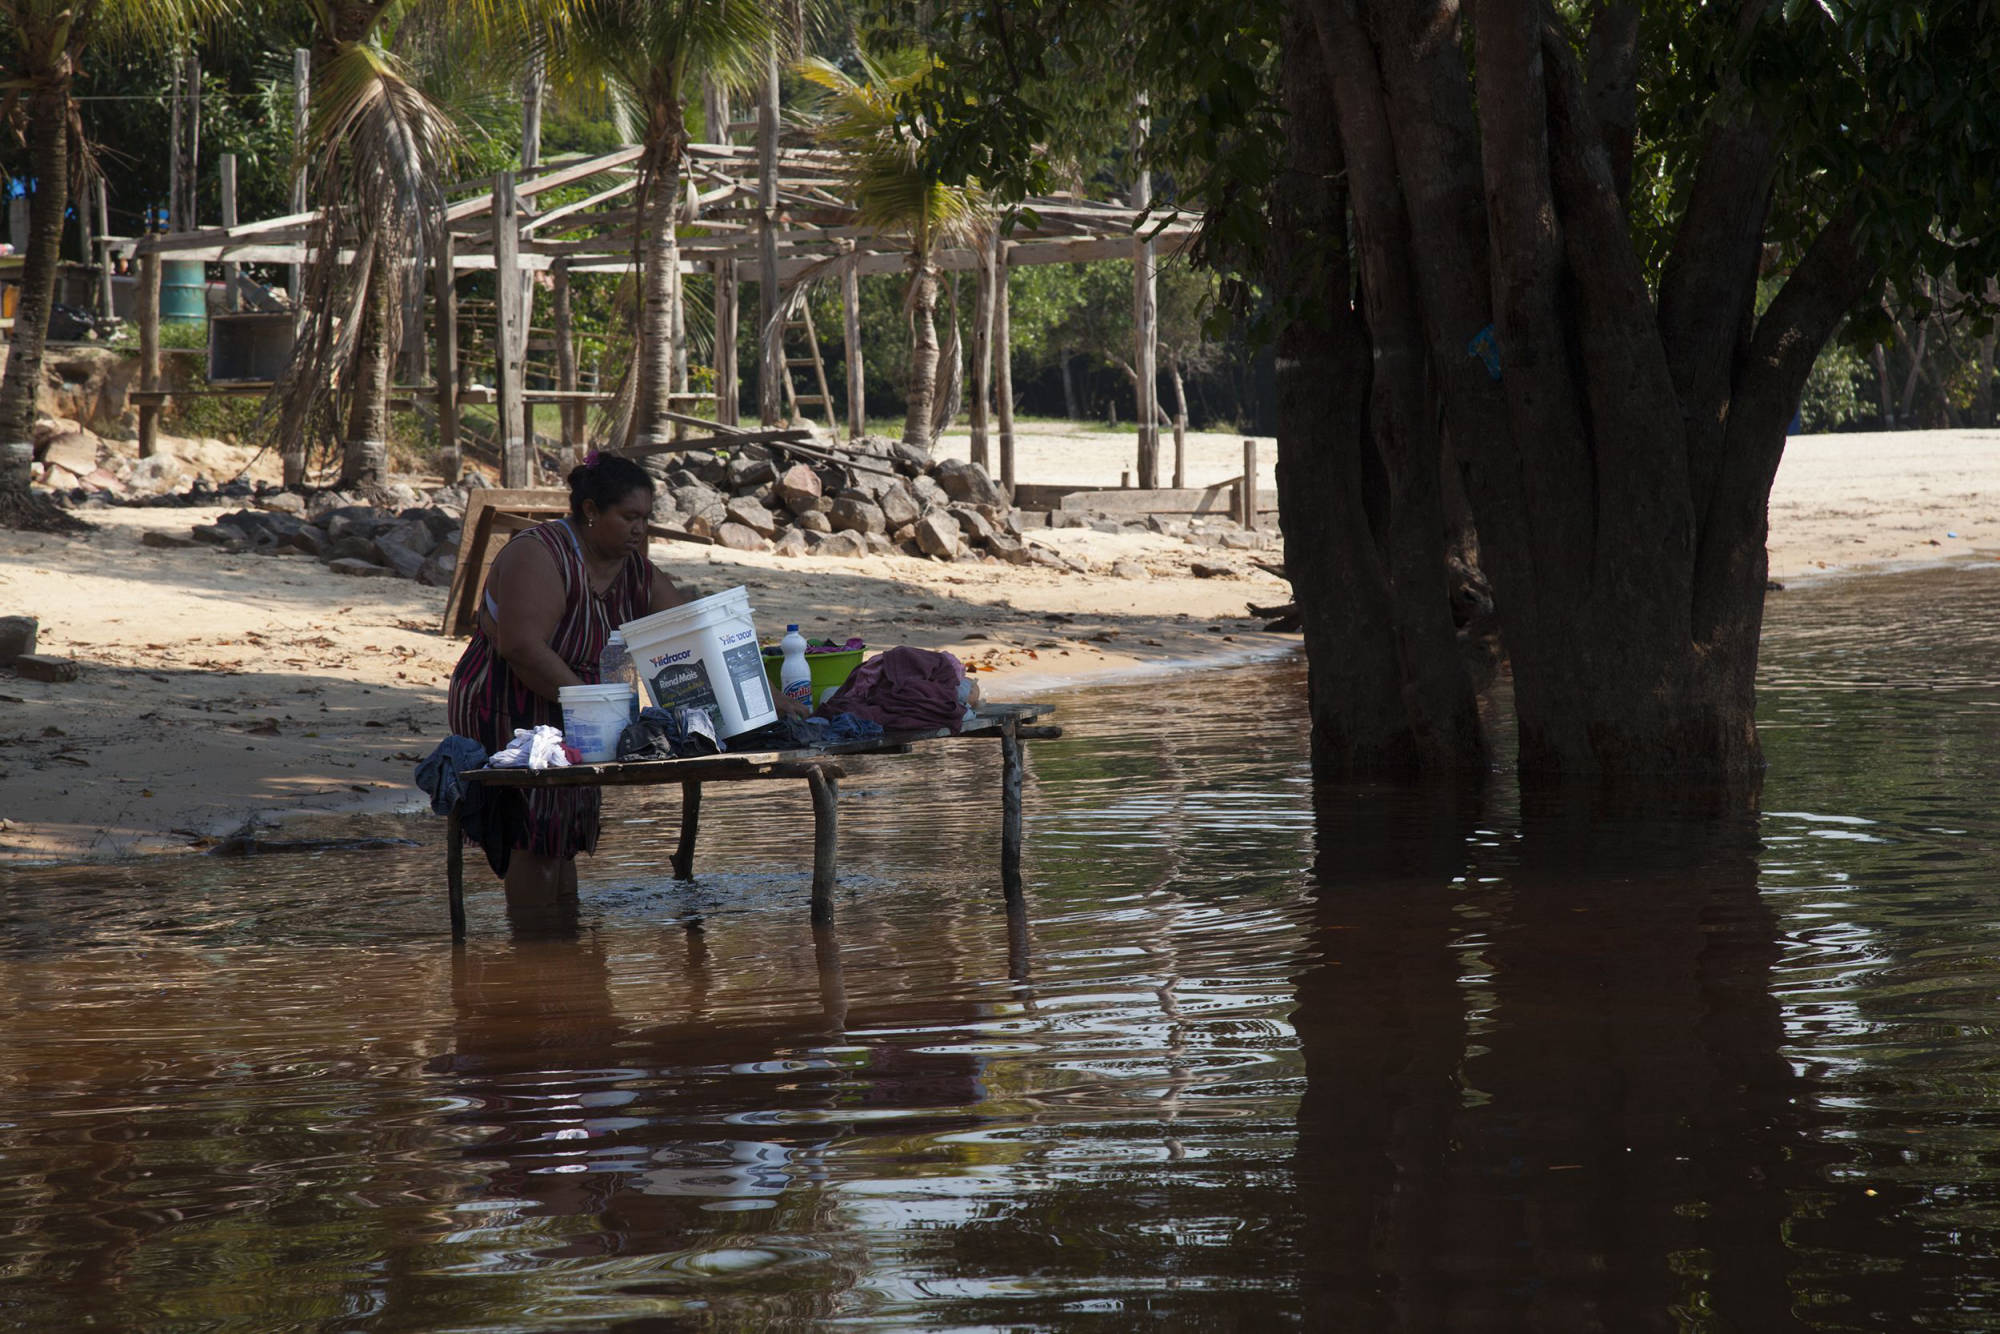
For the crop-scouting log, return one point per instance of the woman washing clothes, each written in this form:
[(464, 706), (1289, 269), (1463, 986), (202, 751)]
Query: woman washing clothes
[(555, 594)]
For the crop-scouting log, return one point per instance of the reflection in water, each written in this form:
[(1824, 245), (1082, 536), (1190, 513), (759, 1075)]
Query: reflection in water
[(1546, 1087), (1256, 1056)]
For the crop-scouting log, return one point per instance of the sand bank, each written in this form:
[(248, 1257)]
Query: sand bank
[(217, 689)]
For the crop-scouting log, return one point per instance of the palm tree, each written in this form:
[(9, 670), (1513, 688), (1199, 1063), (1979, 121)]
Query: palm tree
[(648, 56), (894, 192), (44, 44), (378, 150)]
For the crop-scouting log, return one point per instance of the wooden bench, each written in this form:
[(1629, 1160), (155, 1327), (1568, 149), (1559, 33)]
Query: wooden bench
[(820, 768)]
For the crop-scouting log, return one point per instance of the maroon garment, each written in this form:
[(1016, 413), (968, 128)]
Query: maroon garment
[(487, 701), (905, 689)]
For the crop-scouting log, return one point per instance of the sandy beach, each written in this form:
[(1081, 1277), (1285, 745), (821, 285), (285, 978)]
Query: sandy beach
[(222, 691)]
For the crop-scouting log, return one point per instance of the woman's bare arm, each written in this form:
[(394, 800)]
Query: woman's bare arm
[(664, 594), (529, 590)]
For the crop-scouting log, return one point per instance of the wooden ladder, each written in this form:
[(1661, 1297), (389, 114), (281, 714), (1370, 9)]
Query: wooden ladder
[(794, 400)]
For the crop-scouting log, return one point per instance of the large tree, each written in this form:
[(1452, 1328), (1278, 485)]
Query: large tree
[(1520, 243), (44, 44)]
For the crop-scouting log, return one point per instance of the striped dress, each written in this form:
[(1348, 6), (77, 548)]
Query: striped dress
[(487, 701)]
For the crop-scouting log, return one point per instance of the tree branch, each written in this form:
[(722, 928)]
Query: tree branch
[(1830, 280), (1612, 53)]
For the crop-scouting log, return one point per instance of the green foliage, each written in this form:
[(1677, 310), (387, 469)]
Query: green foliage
[(1832, 395)]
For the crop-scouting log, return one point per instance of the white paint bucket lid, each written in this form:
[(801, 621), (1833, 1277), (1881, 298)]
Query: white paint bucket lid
[(729, 604), (585, 694)]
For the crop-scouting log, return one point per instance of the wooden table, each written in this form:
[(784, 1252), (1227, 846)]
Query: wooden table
[(819, 767)]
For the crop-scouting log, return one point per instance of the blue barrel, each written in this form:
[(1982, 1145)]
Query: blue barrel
[(183, 290)]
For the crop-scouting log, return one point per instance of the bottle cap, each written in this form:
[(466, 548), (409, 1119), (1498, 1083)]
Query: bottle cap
[(791, 629)]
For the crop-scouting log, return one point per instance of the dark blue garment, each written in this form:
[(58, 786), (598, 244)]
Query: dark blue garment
[(438, 773), (497, 820)]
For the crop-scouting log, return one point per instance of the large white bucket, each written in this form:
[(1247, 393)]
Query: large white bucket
[(593, 716), (705, 652)]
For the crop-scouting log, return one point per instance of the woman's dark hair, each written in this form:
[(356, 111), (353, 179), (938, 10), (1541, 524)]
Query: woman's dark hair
[(604, 480)]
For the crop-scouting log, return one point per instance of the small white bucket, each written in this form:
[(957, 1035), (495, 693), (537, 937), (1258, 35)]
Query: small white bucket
[(705, 653), (593, 716)]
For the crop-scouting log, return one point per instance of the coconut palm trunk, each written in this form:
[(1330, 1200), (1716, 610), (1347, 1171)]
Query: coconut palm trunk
[(661, 257), (48, 155), (923, 354), (364, 455)]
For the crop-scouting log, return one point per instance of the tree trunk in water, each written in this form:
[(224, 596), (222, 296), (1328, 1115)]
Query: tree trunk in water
[(364, 455), (1617, 453), (1386, 691), (650, 422), (923, 357), (48, 154)]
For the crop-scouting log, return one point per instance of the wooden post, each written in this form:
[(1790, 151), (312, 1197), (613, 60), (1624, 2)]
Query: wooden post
[(690, 827), (832, 980), (1003, 362), (1010, 807), (727, 390), (444, 290), (83, 228), (149, 352), (677, 376), (982, 353), (175, 162), (826, 842), (231, 298), (1249, 489), (770, 331), (301, 127), (454, 872), (857, 372), (104, 297), (509, 336), (191, 174), (569, 414), (1145, 315)]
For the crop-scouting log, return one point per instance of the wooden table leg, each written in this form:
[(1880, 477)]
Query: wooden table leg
[(690, 826), (826, 840), (1010, 808), (454, 872)]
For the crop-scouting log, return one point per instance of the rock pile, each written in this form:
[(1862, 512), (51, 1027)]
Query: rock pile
[(882, 496), (419, 542)]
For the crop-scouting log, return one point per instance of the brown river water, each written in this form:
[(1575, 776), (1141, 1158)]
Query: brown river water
[(1255, 1056)]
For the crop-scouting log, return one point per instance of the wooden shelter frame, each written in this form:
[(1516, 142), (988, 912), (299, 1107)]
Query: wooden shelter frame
[(724, 229)]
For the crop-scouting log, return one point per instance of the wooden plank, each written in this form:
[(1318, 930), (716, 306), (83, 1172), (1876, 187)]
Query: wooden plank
[(758, 767), (1218, 499), (553, 179), (460, 603), (714, 441)]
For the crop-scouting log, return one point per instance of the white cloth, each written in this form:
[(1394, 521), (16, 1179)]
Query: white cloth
[(539, 749)]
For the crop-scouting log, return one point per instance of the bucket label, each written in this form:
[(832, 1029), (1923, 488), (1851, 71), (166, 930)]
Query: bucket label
[(746, 670), (678, 685)]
